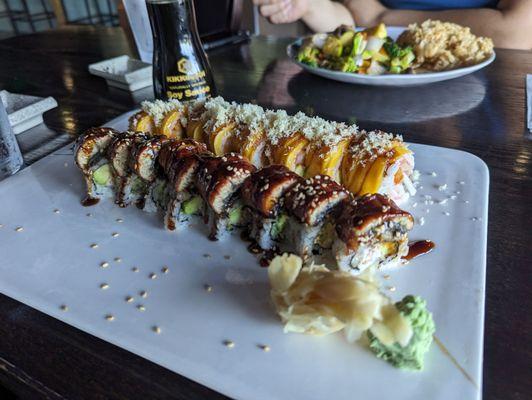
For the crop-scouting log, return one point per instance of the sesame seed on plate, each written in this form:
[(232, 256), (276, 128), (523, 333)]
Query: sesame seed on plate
[(104, 264), (19, 229), (94, 246), (129, 299), (109, 317), (229, 344), (63, 307), (156, 329), (165, 269), (115, 234), (140, 307), (104, 286), (264, 347), (153, 275)]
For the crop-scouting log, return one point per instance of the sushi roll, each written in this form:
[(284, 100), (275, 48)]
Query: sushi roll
[(129, 186), (218, 181), (167, 118), (179, 162), (143, 162), (262, 195), (310, 207), (370, 231), (91, 159), (378, 162)]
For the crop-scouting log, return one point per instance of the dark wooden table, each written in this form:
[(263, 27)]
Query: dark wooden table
[(484, 114)]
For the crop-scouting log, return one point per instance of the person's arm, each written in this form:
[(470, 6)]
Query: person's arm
[(510, 25), (319, 15)]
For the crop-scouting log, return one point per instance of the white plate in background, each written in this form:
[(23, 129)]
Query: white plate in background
[(124, 72), (387, 79), (50, 263)]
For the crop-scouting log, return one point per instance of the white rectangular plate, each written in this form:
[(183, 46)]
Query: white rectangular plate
[(50, 263)]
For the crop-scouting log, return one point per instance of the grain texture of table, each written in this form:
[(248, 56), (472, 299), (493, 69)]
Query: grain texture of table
[(484, 114)]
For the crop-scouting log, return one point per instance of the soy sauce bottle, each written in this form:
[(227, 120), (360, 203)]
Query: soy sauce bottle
[(180, 67)]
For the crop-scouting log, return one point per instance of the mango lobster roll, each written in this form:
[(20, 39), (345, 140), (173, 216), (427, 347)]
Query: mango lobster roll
[(167, 118), (218, 181), (129, 187), (379, 162), (180, 161), (218, 126), (249, 138), (144, 165), (326, 157), (310, 207), (262, 195), (370, 231), (91, 159)]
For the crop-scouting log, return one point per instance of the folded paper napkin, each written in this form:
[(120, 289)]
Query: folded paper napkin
[(529, 102)]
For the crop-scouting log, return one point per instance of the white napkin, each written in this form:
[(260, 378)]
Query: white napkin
[(529, 102)]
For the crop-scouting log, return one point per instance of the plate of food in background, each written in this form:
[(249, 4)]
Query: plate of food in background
[(393, 56)]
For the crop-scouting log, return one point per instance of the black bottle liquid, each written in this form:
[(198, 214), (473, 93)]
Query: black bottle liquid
[(180, 67)]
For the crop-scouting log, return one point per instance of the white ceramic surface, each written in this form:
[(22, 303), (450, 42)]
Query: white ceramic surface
[(25, 111), (124, 72), (50, 263), (389, 79)]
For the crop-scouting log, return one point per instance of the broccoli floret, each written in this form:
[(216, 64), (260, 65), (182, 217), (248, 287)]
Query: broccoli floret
[(411, 356)]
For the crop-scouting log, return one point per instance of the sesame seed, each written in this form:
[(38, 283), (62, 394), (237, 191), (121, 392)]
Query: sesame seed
[(143, 293), (129, 299), (1, 225), (433, 173), (447, 213), (104, 286), (208, 288), (414, 205), (109, 317), (386, 276), (63, 307), (19, 229), (94, 246), (264, 347), (466, 201), (140, 307), (119, 220), (227, 257), (153, 275), (165, 270), (206, 255), (115, 234), (229, 344), (118, 259), (56, 211), (461, 183), (88, 215), (135, 269), (104, 264), (421, 221), (391, 288), (156, 329)]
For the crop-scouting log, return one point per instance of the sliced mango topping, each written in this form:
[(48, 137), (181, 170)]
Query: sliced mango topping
[(171, 125)]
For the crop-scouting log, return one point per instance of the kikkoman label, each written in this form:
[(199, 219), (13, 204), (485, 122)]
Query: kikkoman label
[(188, 83)]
